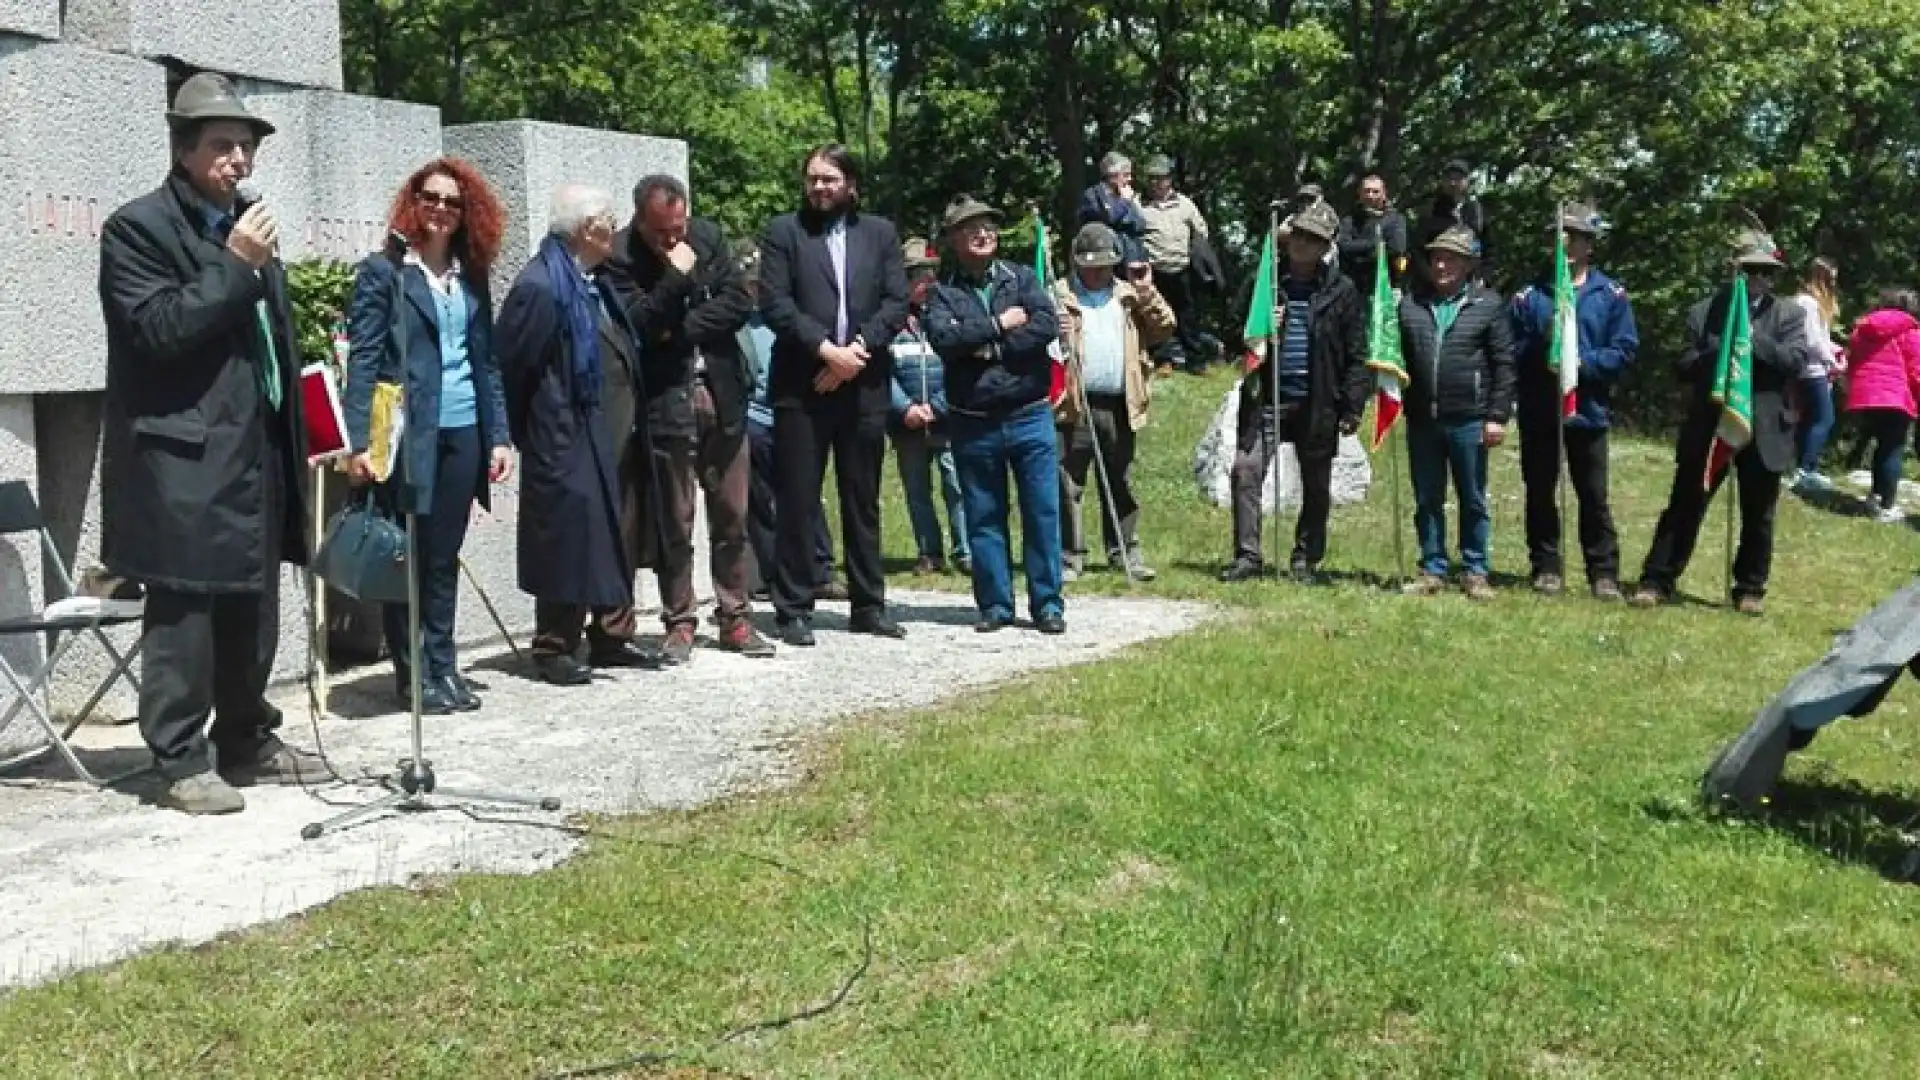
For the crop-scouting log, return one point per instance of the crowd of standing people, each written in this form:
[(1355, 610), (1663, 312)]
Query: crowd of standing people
[(642, 367)]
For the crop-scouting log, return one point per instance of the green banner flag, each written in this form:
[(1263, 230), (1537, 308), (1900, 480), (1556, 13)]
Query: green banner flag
[(1733, 383), (1259, 330)]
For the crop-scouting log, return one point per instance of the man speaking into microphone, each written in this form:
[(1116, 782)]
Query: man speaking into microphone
[(203, 458)]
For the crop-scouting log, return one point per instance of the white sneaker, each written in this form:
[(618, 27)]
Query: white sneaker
[(1890, 515), (1811, 481)]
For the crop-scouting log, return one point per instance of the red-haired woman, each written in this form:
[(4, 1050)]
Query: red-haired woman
[(455, 440)]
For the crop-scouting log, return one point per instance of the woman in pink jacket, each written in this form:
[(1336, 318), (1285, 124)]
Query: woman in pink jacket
[(1883, 387)]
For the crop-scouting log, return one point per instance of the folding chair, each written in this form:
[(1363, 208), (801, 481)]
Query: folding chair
[(64, 621)]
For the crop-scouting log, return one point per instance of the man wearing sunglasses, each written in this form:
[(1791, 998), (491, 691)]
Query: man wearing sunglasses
[(1779, 355)]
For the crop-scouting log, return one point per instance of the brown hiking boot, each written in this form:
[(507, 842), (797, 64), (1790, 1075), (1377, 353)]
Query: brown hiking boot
[(1608, 590), (1749, 605), (1549, 584), (739, 636), (677, 648), (835, 590), (928, 566), (1647, 596), (285, 765), (1424, 585), (1477, 587)]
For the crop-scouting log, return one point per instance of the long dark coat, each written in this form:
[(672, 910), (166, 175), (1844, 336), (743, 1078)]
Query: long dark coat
[(376, 330), (202, 485), (570, 548)]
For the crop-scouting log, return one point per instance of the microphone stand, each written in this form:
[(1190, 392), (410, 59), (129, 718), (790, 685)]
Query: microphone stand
[(412, 783)]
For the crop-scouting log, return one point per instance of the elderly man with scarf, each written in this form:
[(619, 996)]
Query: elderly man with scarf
[(557, 330)]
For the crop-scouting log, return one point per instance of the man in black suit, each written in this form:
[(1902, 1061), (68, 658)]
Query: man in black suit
[(204, 453), (833, 288), (1779, 355)]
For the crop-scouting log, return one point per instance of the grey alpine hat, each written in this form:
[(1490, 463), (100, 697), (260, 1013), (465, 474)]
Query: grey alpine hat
[(1458, 239), (963, 208), (211, 96), (1582, 218), (1752, 247), (1096, 245), (1316, 219)]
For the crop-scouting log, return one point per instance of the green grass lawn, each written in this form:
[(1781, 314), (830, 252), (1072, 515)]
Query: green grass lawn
[(1340, 833)]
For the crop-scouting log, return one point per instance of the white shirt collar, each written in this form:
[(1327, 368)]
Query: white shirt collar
[(440, 282)]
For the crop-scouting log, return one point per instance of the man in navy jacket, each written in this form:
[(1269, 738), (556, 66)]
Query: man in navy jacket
[(1608, 342), (992, 324)]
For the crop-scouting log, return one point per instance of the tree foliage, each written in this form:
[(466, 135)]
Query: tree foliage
[(1671, 114)]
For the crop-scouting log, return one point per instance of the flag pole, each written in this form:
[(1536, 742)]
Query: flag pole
[(1273, 373), (1399, 516), (1564, 463), (1732, 494), (1394, 451)]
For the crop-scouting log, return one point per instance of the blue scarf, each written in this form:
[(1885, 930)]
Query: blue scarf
[(578, 314)]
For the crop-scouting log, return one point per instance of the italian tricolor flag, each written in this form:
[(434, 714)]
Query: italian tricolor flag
[(1057, 374), (1383, 354), (1563, 354), (1732, 384)]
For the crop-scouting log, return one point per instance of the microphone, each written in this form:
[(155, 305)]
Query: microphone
[(246, 194)]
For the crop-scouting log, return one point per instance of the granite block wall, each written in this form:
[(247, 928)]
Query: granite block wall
[(296, 42), (34, 18), (330, 170), (67, 159)]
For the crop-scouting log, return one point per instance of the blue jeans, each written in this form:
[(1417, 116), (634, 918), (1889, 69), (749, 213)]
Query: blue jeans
[(1816, 420), (1435, 449), (985, 451), (918, 453)]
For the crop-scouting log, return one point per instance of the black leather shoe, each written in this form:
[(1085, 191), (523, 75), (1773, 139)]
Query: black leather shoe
[(625, 654), (1051, 624), (434, 700), (562, 670), (991, 625), (877, 623), (458, 692), (797, 633)]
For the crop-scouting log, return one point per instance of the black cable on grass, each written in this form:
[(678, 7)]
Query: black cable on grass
[(630, 1061), (775, 1023)]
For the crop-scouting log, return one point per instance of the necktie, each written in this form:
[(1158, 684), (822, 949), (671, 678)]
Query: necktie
[(270, 367), (837, 247)]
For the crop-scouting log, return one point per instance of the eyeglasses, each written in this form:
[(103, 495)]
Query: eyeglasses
[(444, 202)]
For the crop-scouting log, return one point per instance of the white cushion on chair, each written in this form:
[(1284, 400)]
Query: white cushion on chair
[(84, 608)]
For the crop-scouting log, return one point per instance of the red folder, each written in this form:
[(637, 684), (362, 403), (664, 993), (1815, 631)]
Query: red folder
[(326, 419)]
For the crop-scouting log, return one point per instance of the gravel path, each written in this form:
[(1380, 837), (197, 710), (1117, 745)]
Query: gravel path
[(93, 877)]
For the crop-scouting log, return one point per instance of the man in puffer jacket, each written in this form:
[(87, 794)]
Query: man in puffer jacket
[(919, 424), (1458, 346)]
